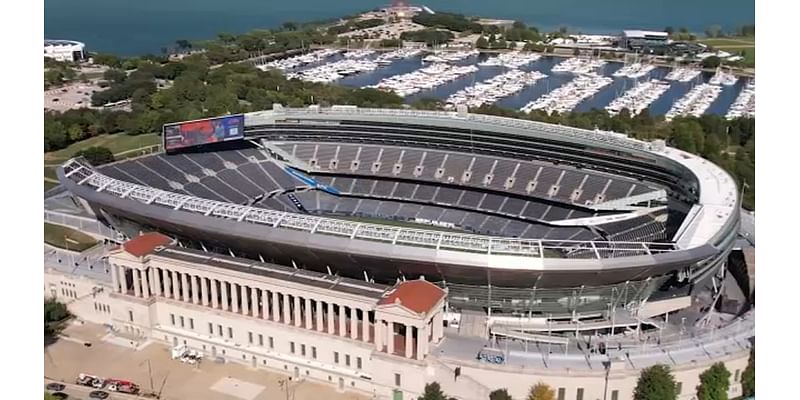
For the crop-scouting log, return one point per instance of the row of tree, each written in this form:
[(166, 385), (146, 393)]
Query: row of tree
[(354, 25)]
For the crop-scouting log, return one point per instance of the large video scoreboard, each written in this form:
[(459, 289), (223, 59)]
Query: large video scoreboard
[(203, 131)]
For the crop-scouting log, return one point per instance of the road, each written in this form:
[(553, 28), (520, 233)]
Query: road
[(82, 392)]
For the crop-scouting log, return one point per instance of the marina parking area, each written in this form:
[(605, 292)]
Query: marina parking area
[(72, 96)]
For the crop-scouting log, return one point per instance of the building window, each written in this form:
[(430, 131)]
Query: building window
[(230, 332), (250, 337), (562, 393), (736, 376), (579, 395), (172, 319), (347, 359), (336, 357), (314, 352), (615, 395), (219, 329), (397, 380), (303, 350), (182, 321), (210, 328), (130, 315), (358, 362), (291, 347), (679, 387), (271, 343), (261, 340), (191, 323)]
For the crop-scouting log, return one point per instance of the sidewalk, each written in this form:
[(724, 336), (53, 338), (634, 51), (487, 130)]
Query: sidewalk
[(65, 359)]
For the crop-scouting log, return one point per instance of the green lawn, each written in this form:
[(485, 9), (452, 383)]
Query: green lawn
[(118, 143), (736, 41), (67, 238)]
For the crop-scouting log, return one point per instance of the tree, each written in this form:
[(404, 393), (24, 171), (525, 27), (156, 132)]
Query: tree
[(96, 155), (670, 30), (655, 383), (107, 59), (749, 376), (183, 44), (541, 391), (714, 383), (714, 31), (482, 43), (433, 391), (115, 75), (500, 394), (55, 312), (711, 62)]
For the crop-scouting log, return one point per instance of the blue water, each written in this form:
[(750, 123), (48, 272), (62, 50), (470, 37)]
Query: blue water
[(140, 26)]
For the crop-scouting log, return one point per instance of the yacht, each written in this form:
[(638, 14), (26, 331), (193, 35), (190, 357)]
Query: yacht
[(694, 103), (566, 98), (639, 97)]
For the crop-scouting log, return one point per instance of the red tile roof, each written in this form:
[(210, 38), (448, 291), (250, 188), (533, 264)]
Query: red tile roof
[(146, 243), (419, 295)]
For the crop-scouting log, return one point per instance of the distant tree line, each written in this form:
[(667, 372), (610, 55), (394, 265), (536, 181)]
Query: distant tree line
[(430, 36), (355, 25)]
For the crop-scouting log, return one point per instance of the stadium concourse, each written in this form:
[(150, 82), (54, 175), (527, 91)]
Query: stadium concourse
[(419, 242)]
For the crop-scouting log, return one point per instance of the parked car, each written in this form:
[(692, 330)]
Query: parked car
[(98, 394), (60, 395), (55, 386)]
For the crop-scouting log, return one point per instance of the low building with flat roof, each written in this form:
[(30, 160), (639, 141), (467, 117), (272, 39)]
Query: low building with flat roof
[(636, 39), (65, 50)]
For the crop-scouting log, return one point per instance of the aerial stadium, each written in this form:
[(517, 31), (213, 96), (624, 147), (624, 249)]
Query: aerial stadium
[(535, 233)]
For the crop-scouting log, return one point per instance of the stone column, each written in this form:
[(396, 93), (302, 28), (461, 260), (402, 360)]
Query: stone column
[(378, 334), (318, 315), (245, 306), (114, 279), (276, 316), (176, 288), (137, 289), (296, 313), (365, 325), (353, 323), (166, 276), (214, 294), (195, 289), (438, 327), (264, 304), (307, 314), (342, 321), (422, 342), (390, 337), (254, 310), (330, 318), (234, 298), (224, 288), (204, 291), (123, 279), (287, 315), (151, 278), (185, 286), (409, 341), (145, 283), (157, 278)]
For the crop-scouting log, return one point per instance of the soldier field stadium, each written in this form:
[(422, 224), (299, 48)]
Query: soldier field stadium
[(377, 250)]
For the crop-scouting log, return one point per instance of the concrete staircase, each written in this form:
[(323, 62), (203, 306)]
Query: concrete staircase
[(465, 388)]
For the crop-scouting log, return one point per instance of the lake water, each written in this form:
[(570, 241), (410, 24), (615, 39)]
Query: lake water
[(136, 27)]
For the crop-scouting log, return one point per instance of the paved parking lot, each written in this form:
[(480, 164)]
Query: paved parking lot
[(68, 357), (76, 95)]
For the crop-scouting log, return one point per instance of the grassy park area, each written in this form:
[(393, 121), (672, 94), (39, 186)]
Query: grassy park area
[(67, 238), (120, 144), (736, 45)]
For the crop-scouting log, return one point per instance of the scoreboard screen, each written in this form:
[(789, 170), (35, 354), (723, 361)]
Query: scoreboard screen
[(195, 133)]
